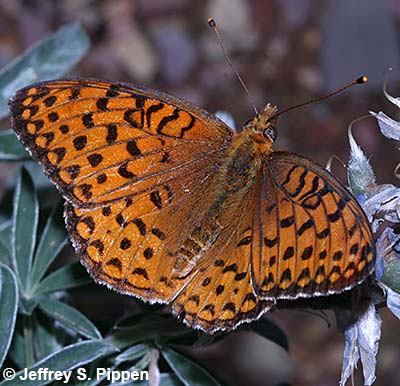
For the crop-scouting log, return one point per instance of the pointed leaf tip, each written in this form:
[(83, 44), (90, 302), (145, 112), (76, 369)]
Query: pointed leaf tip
[(360, 172)]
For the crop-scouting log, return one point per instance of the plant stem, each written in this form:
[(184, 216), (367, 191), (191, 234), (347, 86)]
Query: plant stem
[(28, 338)]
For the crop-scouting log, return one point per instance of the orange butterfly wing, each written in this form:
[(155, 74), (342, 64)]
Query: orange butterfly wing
[(296, 232), (134, 166), (313, 237)]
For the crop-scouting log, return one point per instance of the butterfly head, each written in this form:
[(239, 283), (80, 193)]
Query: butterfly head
[(262, 127)]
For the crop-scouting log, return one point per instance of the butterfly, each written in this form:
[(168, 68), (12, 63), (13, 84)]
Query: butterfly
[(165, 202)]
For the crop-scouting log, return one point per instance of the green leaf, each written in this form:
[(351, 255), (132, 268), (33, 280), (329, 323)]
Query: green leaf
[(8, 308), (188, 372), (10, 148), (144, 362), (28, 304), (45, 335), (70, 357), (391, 275), (271, 331), (132, 353), (69, 276), (50, 58), (52, 241), (17, 350), (69, 317), (27, 324), (169, 379), (5, 243), (149, 327), (359, 170), (24, 226)]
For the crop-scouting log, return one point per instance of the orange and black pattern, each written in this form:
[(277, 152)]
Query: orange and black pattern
[(166, 203), (316, 236)]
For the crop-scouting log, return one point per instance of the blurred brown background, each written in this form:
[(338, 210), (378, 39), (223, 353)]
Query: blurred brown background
[(287, 51)]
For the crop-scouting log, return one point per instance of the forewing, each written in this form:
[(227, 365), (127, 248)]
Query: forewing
[(100, 142), (137, 168), (316, 240)]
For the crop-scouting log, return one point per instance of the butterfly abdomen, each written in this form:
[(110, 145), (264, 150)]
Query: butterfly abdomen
[(199, 241), (236, 176)]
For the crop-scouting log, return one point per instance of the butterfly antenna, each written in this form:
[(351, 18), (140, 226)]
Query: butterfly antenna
[(330, 162), (360, 80), (213, 25)]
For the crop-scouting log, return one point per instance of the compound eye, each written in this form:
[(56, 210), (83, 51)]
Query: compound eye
[(270, 133)]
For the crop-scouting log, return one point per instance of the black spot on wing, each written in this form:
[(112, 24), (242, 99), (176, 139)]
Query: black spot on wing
[(301, 184), (48, 102), (140, 272), (106, 211), (148, 253), (245, 241), (306, 225), (95, 159), (53, 117), (115, 262), (158, 233), (112, 133), (101, 178), (124, 172), (80, 142), (64, 129), (128, 117), (151, 110), (60, 153), (133, 148), (87, 120), (165, 120), (307, 253), (112, 91), (102, 104), (230, 268), (73, 171), (229, 307), (140, 225), (188, 127), (270, 242), (99, 245), (324, 233), (289, 253), (120, 220), (125, 244), (287, 222), (155, 198), (332, 217)]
